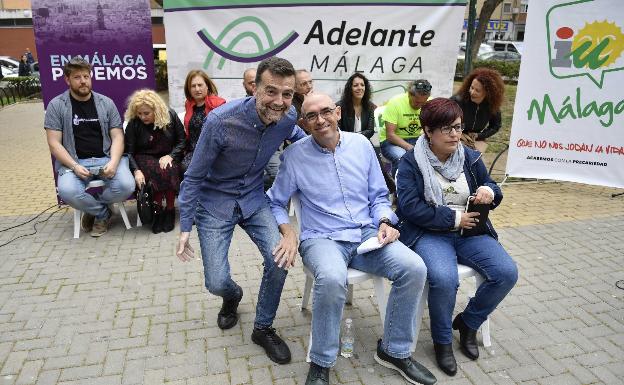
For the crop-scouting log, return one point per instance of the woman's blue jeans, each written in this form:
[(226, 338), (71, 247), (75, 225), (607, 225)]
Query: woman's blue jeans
[(215, 236), (328, 261), (441, 251)]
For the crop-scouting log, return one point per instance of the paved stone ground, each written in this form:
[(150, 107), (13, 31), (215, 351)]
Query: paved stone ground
[(122, 309)]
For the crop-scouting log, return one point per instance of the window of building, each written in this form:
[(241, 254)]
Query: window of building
[(524, 8), (507, 8)]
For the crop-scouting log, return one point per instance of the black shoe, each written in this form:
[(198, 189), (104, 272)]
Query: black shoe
[(467, 338), (168, 220), (227, 317), (411, 370), (157, 222), (317, 375), (445, 358), (273, 345)]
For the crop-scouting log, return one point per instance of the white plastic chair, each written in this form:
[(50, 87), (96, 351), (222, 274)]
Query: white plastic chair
[(463, 272), (353, 276), (122, 210)]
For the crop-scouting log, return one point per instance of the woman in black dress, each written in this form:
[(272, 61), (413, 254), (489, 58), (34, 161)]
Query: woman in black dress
[(155, 144), (24, 68)]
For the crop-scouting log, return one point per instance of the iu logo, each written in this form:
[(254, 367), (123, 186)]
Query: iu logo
[(583, 43)]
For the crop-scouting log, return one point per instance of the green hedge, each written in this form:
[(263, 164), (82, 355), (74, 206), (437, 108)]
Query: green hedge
[(509, 70), (28, 81)]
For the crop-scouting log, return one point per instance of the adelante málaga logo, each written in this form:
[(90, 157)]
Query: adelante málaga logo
[(581, 44), (227, 42)]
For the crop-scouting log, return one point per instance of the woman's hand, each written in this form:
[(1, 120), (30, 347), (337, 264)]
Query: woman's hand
[(165, 161), (139, 178), (469, 220), (483, 196)]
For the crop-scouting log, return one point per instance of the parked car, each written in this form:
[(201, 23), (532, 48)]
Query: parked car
[(483, 48), (500, 56), (8, 72), (9, 62), (507, 46)]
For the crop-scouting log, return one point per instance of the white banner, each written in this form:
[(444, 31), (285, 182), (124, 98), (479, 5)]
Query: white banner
[(390, 42), (568, 119)]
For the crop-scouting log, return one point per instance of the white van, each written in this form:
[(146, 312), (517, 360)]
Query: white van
[(507, 45)]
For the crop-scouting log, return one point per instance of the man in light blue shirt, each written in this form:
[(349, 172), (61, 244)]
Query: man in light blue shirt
[(344, 202)]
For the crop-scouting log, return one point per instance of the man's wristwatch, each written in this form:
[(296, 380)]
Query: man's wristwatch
[(386, 221)]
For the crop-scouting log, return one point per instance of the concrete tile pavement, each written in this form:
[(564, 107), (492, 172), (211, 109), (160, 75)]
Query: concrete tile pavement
[(122, 310)]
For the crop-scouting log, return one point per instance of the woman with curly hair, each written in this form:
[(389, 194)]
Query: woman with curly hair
[(201, 98), (357, 110), (155, 143), (480, 98)]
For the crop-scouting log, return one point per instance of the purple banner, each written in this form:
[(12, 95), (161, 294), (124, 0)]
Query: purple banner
[(114, 36)]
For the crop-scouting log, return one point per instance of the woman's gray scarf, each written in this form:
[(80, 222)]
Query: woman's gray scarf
[(427, 162)]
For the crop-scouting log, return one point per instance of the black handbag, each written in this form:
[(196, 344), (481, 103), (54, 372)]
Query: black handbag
[(145, 204)]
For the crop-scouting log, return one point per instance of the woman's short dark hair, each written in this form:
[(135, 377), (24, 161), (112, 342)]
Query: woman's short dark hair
[(76, 64), (347, 93), (439, 112), (212, 88), (275, 65)]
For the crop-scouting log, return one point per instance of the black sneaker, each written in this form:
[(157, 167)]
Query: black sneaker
[(273, 345), (411, 370), (317, 375), (227, 317)]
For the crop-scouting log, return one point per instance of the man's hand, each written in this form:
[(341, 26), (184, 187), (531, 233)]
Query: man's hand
[(185, 252), (139, 178), (387, 234), (286, 250), (81, 171), (110, 169), (165, 161)]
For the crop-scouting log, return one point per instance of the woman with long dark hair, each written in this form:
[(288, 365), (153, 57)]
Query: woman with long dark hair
[(358, 112)]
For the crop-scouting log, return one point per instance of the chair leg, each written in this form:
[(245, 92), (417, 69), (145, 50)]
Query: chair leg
[(77, 223), (382, 299), (309, 346), (485, 327), (124, 215), (307, 289), (349, 300), (420, 311)]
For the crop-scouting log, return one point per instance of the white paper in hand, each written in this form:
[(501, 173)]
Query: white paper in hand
[(369, 245)]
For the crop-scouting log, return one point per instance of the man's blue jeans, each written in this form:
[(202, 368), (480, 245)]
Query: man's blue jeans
[(394, 153), (71, 188), (215, 236), (441, 253), (328, 261)]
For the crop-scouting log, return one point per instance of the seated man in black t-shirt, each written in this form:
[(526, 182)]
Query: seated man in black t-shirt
[(85, 135)]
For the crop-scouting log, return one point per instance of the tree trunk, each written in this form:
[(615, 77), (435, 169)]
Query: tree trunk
[(484, 17)]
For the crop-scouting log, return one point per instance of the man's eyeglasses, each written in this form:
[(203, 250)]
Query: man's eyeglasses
[(457, 127), (326, 113)]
